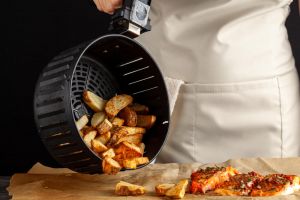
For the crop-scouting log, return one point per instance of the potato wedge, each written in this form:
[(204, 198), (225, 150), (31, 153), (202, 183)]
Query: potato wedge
[(146, 121), (110, 166), (95, 102), (89, 137), (127, 189), (134, 162), (117, 103), (178, 191), (129, 115), (140, 109), (104, 127), (97, 119), (161, 189), (104, 138), (98, 147), (110, 153), (128, 150), (129, 163), (117, 133), (87, 129), (134, 130), (82, 122), (141, 160), (142, 147), (81, 133), (134, 139), (118, 121)]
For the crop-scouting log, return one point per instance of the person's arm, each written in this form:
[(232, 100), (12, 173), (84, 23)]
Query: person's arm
[(108, 6)]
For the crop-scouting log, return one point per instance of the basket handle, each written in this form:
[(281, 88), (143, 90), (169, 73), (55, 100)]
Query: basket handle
[(132, 19)]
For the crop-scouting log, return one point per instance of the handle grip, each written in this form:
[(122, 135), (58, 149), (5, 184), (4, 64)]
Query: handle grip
[(132, 19)]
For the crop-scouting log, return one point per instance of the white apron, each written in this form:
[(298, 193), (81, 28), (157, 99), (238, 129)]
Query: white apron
[(240, 96)]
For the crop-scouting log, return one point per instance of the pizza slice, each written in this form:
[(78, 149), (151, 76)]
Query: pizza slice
[(207, 179), (276, 184), (239, 185)]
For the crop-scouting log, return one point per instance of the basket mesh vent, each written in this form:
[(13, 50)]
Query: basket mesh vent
[(90, 75)]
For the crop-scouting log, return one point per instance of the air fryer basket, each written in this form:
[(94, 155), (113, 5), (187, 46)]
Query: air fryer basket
[(109, 65)]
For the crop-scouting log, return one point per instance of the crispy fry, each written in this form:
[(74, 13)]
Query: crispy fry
[(162, 189), (82, 122), (110, 153), (141, 160), (117, 134), (178, 191), (129, 115), (134, 130), (89, 137), (117, 103), (95, 102), (104, 127), (127, 189), (118, 121), (142, 148), (97, 119), (98, 147), (104, 138), (129, 163), (134, 162), (81, 133), (87, 129), (134, 139), (128, 150), (110, 166)]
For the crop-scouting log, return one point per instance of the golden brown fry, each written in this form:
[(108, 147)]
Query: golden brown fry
[(87, 129), (89, 137), (110, 166), (162, 189), (110, 153), (142, 147), (178, 191), (82, 122), (81, 133), (134, 139), (95, 102), (104, 138), (97, 119), (134, 130), (98, 147), (127, 189), (141, 160), (128, 150), (117, 133), (104, 127), (117, 103), (129, 115), (118, 121), (129, 163), (134, 162)]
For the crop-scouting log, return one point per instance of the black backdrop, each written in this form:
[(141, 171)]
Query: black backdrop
[(32, 33), (35, 31)]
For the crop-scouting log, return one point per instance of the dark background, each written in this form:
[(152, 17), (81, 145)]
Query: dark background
[(33, 32)]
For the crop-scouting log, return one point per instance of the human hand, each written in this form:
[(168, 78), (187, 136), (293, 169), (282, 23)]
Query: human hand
[(108, 6)]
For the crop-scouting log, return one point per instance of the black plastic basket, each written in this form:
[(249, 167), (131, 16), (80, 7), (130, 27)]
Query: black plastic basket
[(106, 66)]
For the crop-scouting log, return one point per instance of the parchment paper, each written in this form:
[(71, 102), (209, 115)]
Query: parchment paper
[(42, 183)]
